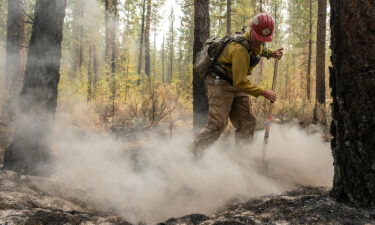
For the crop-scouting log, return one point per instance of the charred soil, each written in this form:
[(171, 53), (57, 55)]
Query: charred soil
[(22, 202)]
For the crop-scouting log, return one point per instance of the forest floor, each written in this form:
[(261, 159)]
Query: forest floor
[(22, 202), (4, 137)]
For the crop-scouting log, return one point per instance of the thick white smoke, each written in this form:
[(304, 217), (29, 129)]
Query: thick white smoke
[(159, 178)]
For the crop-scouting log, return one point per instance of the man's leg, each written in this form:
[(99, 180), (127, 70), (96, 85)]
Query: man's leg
[(243, 119), (220, 97)]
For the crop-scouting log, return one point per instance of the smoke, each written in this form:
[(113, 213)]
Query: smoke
[(159, 178)]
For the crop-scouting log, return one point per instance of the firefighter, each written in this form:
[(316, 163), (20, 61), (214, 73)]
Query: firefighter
[(232, 99)]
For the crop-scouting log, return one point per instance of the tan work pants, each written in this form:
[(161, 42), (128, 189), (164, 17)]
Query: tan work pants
[(225, 101)]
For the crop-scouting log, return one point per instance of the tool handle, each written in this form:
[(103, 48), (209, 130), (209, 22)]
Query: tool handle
[(275, 72)]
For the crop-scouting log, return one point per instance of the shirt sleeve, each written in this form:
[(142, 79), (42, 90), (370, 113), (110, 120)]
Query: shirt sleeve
[(266, 52), (240, 65)]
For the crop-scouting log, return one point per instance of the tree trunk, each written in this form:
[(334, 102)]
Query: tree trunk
[(261, 63), (107, 30), (171, 48), (286, 81), (321, 52), (353, 91), (163, 60), (14, 65), (38, 99), (89, 74), (308, 80), (201, 34), (147, 40), (114, 15), (229, 17), (154, 54), (78, 16), (92, 72), (141, 38), (95, 69)]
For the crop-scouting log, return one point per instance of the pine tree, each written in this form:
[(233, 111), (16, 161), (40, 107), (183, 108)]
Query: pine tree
[(171, 46), (147, 40), (78, 33), (14, 46), (141, 37), (353, 92), (321, 52), (201, 34), (38, 99)]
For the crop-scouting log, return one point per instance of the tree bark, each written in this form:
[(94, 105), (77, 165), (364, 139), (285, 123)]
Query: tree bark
[(107, 30), (229, 17), (321, 52), (261, 63), (89, 74), (147, 40), (141, 38), (308, 80), (38, 99), (78, 16), (14, 65), (163, 60), (201, 34), (171, 48), (95, 69), (114, 15), (352, 80)]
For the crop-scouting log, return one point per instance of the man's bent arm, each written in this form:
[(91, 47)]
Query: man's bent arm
[(240, 66)]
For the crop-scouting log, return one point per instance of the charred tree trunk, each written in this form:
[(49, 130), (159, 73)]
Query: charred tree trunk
[(308, 80), (141, 38), (14, 65), (28, 151), (352, 80), (147, 40), (201, 34), (229, 17), (321, 52)]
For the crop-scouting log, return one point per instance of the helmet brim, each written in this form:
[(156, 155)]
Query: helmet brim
[(263, 38)]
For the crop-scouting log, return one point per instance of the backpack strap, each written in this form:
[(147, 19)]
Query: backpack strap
[(217, 69), (242, 40)]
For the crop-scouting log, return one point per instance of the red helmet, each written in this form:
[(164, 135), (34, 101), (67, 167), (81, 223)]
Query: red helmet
[(262, 27)]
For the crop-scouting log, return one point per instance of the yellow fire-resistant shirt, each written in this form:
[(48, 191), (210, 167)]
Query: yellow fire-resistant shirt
[(236, 55)]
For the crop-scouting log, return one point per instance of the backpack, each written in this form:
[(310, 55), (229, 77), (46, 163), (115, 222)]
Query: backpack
[(212, 48)]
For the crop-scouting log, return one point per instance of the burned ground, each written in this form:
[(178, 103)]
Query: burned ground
[(305, 205), (22, 202)]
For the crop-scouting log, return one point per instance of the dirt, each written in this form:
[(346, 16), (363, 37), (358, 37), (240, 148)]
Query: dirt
[(4, 137), (22, 202), (306, 205)]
